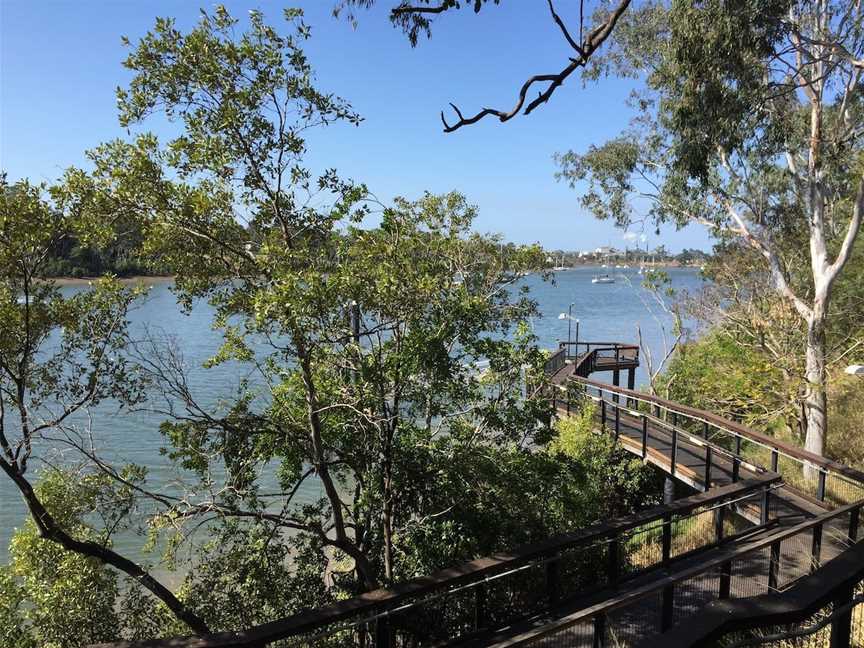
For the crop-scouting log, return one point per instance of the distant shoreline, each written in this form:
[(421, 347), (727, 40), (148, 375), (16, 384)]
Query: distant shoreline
[(83, 281)]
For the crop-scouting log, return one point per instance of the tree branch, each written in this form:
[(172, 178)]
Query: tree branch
[(594, 40)]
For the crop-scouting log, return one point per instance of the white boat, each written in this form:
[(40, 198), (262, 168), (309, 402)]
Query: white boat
[(602, 279)]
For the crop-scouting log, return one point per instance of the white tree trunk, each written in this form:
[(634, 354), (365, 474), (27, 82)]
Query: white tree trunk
[(815, 399)]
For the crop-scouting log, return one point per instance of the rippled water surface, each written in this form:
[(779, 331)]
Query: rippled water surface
[(606, 312)]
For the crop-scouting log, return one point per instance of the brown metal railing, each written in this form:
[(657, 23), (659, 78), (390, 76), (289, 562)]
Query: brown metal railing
[(768, 563), (815, 478), (467, 602)]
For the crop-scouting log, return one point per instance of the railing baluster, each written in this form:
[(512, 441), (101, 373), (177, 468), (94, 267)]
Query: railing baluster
[(820, 489), (667, 538), (709, 456), (816, 548), (553, 584), (774, 566), (775, 459), (725, 580), (382, 632), (854, 514), (719, 520), (841, 625), (668, 607), (674, 456), (599, 630), (644, 436)]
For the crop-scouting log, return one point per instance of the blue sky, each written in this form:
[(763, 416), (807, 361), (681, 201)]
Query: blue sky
[(60, 63)]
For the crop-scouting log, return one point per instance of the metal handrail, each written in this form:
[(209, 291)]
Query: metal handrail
[(723, 556), (382, 603), (736, 429)]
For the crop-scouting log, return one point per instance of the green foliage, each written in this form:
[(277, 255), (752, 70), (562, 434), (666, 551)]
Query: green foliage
[(719, 374), (614, 481), (63, 599)]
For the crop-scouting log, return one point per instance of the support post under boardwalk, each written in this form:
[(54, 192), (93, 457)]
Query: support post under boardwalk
[(668, 491)]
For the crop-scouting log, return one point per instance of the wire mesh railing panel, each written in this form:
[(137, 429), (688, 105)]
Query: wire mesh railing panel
[(840, 490), (695, 593), (437, 619), (750, 574), (627, 626), (857, 630), (516, 595), (579, 635), (642, 548), (582, 569), (798, 635), (835, 537), (795, 559), (693, 532)]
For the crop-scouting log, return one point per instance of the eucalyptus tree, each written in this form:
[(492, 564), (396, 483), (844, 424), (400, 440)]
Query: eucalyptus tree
[(750, 123)]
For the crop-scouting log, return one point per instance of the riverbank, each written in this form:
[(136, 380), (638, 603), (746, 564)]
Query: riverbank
[(134, 279)]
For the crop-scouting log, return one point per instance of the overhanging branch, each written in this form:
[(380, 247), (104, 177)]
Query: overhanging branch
[(584, 52)]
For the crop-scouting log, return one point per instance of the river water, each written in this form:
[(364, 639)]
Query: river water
[(606, 312)]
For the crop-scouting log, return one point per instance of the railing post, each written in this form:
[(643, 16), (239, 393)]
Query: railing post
[(613, 567), (725, 580), (667, 538), (719, 520), (709, 458), (553, 583), (737, 445), (674, 419), (599, 631), (820, 489), (674, 456), (854, 514), (382, 632), (668, 607), (602, 412), (764, 513), (644, 436), (841, 625), (617, 421), (816, 548), (775, 460), (736, 468), (705, 430), (774, 566), (480, 606)]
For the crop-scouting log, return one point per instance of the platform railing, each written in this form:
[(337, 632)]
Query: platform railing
[(638, 615), (470, 601), (825, 610), (815, 478)]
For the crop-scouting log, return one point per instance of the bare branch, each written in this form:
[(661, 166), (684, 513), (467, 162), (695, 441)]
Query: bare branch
[(594, 40)]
